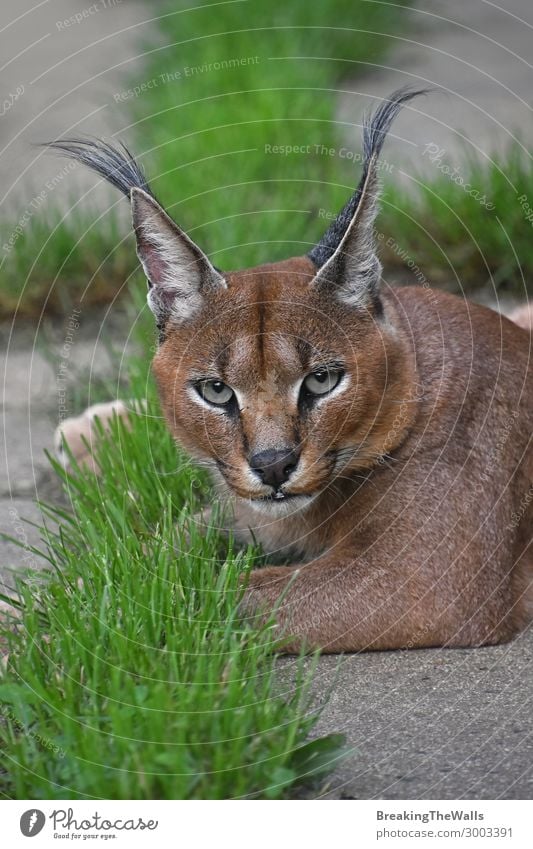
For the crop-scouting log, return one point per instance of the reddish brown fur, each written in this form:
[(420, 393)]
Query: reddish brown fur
[(424, 538)]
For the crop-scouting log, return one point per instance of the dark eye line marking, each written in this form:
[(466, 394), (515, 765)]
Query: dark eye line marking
[(221, 360), (305, 351)]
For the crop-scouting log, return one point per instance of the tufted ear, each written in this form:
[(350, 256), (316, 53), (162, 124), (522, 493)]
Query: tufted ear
[(179, 273), (352, 273), (345, 257)]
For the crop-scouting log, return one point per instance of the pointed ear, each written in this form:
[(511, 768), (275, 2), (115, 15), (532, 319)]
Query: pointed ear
[(353, 271), (179, 274), (345, 256)]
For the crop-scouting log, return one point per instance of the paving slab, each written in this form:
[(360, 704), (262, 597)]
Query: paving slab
[(46, 376), (17, 519), (432, 724), (479, 55), (63, 62)]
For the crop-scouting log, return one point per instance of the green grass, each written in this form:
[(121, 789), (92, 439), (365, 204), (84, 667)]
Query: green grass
[(59, 260), (203, 138), (457, 241), (130, 674)]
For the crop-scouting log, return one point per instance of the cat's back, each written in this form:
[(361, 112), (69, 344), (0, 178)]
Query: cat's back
[(475, 370), (453, 337)]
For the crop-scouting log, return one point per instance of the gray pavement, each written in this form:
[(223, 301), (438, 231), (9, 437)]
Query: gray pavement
[(478, 53), (44, 376), (431, 724), (62, 63)]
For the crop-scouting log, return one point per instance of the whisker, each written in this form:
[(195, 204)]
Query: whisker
[(202, 464)]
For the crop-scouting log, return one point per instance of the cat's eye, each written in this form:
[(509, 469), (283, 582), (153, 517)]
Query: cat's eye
[(322, 381), (215, 392)]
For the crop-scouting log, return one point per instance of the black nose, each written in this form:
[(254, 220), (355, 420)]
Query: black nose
[(274, 467)]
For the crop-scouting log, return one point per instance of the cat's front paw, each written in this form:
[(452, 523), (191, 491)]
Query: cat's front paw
[(80, 434)]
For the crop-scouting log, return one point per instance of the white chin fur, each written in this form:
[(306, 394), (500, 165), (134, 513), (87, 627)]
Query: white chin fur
[(282, 507)]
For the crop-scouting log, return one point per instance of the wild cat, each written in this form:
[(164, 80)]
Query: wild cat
[(375, 438)]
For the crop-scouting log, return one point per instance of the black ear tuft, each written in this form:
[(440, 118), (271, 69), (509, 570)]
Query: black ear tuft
[(114, 163), (375, 129)]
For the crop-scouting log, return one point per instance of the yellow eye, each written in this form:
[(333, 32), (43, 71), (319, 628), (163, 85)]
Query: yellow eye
[(215, 392), (322, 381)]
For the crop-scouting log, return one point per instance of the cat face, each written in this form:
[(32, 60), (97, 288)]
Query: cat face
[(286, 376), (278, 386)]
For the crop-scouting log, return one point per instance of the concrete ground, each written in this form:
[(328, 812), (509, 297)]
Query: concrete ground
[(62, 63), (478, 54), (422, 724), (431, 724), (35, 371)]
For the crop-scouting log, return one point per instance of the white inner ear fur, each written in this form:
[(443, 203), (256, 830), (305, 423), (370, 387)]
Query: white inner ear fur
[(175, 266), (178, 284)]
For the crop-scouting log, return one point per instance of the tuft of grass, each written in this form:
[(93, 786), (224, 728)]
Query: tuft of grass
[(130, 673), (235, 123), (465, 240), (60, 259)]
